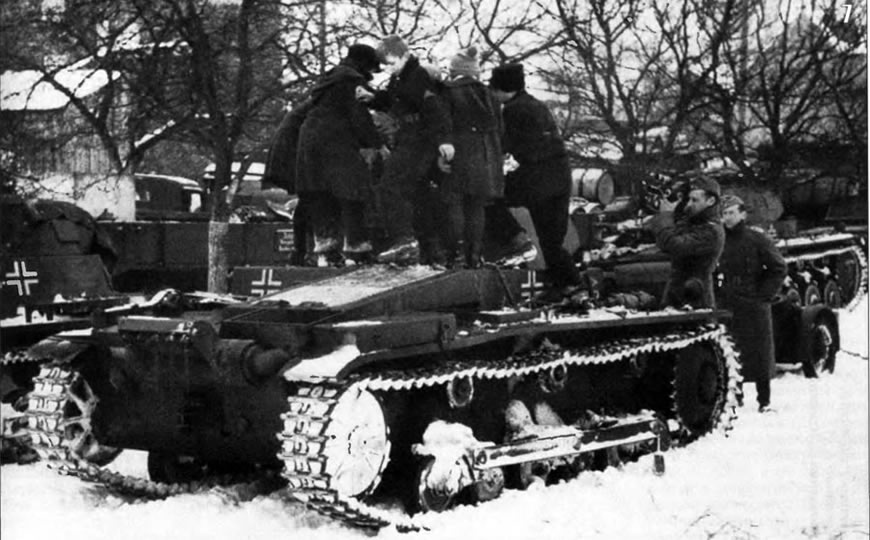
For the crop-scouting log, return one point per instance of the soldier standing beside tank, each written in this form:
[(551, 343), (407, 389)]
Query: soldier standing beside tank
[(693, 238), (752, 273), (541, 183), (329, 163), (475, 175), (422, 137)]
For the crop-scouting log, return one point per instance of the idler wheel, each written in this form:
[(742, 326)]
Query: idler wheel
[(700, 380), (849, 275), (78, 431), (821, 355), (357, 446)]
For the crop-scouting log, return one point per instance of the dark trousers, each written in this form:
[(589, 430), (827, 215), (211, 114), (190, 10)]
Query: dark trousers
[(430, 220), (763, 388), (550, 218), (333, 217), (404, 171), (301, 227), (466, 221)]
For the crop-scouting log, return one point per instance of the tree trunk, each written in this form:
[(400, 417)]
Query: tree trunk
[(219, 226), (218, 267)]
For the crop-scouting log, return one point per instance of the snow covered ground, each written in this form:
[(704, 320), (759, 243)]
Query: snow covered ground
[(801, 472)]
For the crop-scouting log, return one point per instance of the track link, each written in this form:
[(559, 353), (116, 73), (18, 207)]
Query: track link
[(309, 412), (46, 425)]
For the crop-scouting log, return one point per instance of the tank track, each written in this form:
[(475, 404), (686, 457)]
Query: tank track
[(46, 429), (862, 262), (309, 412)]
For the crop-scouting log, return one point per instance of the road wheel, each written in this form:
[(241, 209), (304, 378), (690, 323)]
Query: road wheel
[(700, 388), (833, 296), (812, 295), (821, 354)]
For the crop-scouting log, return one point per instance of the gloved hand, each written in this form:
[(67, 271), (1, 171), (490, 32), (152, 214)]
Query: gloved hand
[(447, 151)]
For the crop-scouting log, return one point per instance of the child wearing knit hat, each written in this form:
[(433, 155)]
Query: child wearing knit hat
[(475, 177), (465, 64)]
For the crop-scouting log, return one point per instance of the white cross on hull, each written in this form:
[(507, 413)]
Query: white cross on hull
[(21, 278), (266, 283)]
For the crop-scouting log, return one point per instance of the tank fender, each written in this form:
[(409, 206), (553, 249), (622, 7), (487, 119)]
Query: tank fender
[(330, 365), (58, 349), (814, 313)]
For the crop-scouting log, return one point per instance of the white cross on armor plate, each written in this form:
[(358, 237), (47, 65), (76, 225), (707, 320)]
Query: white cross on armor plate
[(21, 278), (266, 283), (532, 285)]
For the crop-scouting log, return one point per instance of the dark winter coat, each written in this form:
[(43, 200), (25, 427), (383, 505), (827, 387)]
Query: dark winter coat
[(477, 164), (412, 98), (532, 137), (694, 245), (752, 273), (334, 131), (281, 159)]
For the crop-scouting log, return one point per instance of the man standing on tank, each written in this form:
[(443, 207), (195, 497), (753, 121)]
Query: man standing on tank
[(752, 273), (541, 183), (423, 136), (690, 232), (329, 164)]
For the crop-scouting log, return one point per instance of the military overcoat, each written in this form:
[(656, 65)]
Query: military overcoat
[(752, 270)]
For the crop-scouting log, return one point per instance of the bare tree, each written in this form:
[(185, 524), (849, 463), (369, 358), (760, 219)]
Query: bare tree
[(791, 80)]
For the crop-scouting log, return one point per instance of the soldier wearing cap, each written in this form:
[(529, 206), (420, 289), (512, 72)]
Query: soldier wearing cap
[(691, 234), (752, 272)]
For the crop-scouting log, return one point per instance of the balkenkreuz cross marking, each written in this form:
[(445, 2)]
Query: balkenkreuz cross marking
[(266, 283), (21, 278)]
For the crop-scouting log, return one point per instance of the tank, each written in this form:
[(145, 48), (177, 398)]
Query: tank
[(167, 244), (827, 262), (412, 387), (55, 276)]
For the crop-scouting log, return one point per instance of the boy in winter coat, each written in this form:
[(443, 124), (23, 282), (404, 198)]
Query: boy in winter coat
[(475, 174), (329, 164), (542, 182), (752, 273), (423, 136)]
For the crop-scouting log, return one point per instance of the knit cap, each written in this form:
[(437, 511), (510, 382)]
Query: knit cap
[(392, 45), (465, 63)]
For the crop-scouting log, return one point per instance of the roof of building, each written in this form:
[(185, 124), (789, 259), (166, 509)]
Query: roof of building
[(29, 91)]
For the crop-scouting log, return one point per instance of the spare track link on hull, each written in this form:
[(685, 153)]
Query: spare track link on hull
[(861, 290), (309, 413), (46, 426)]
